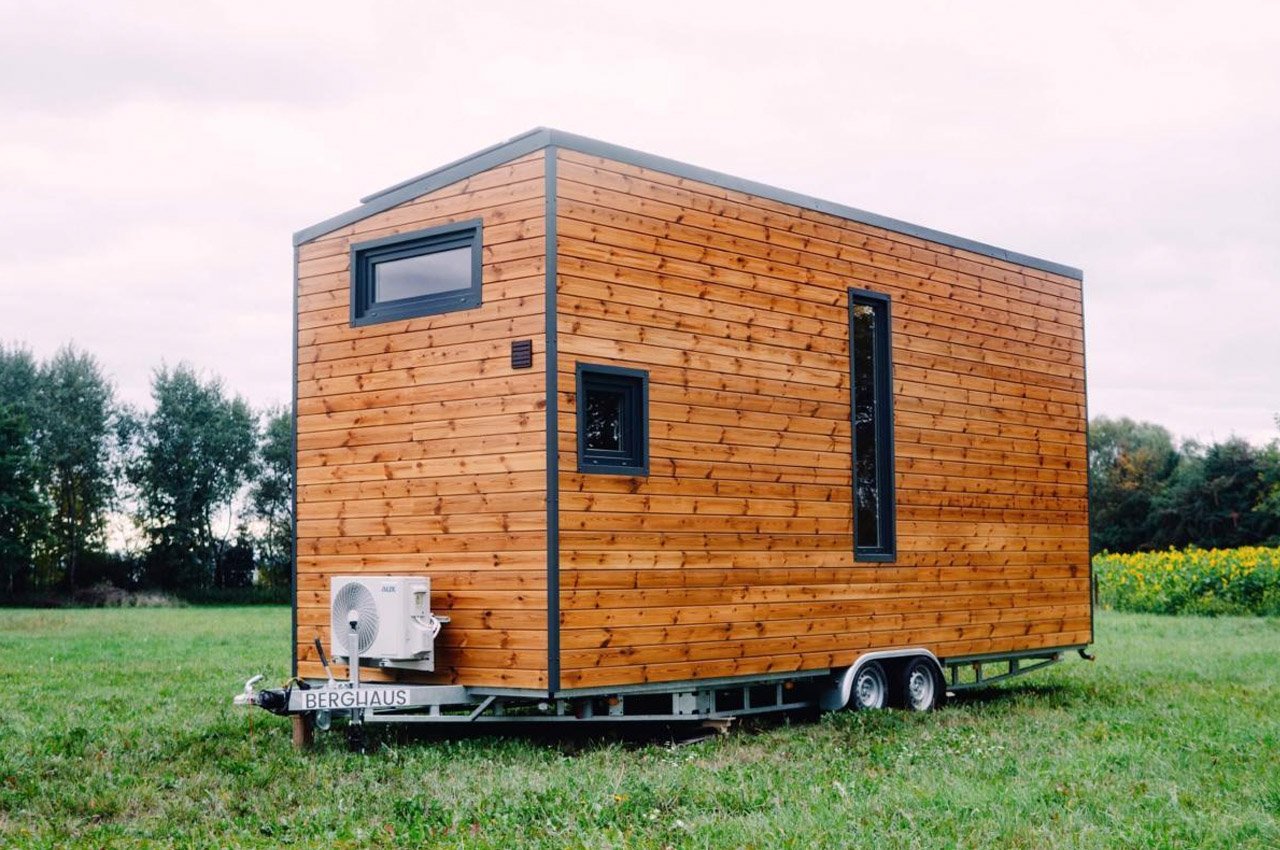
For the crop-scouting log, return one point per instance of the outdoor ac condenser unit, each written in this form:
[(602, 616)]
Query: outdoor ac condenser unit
[(393, 619)]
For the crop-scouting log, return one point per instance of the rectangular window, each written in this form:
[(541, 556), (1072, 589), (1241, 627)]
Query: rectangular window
[(416, 274), (871, 380), (613, 420)]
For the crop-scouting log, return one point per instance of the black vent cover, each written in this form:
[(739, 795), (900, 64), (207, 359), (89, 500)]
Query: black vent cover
[(522, 354)]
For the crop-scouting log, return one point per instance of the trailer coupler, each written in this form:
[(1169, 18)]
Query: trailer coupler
[(274, 700)]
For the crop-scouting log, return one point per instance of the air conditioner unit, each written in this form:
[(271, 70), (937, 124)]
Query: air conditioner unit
[(394, 623)]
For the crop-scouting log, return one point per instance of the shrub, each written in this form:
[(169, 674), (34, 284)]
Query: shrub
[(256, 595), (106, 595), (1191, 581)]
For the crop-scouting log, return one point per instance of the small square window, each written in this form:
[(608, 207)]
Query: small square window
[(416, 274), (613, 420)]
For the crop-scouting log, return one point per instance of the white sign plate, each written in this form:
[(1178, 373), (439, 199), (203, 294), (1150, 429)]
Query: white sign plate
[(335, 698)]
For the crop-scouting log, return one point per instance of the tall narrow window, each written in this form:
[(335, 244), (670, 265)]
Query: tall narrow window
[(872, 419)]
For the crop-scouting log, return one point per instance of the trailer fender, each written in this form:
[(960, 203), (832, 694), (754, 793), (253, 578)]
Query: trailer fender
[(836, 695)]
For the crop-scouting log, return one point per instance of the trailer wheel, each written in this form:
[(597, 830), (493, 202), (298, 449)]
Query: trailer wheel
[(870, 687), (919, 688)]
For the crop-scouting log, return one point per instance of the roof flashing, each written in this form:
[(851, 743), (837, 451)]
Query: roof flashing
[(542, 137)]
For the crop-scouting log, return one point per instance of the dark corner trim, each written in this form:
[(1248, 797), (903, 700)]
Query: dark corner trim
[(1088, 468), (552, 429), (293, 496)]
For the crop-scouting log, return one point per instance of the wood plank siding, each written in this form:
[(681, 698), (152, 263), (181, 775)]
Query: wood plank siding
[(420, 449), (734, 556)]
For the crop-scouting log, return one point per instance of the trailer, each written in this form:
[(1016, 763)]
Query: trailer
[(639, 440)]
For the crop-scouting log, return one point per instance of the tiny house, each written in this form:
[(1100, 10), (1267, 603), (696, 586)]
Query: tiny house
[(649, 428)]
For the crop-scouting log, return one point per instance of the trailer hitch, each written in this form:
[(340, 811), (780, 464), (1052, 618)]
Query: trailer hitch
[(274, 700)]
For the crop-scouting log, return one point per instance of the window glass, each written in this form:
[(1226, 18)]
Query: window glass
[(427, 274), (613, 420), (872, 425), (866, 469), (604, 422), (436, 270)]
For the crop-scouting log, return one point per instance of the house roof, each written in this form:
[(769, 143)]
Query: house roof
[(543, 137)]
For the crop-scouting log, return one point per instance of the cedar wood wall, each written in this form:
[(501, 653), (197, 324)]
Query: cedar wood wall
[(420, 450), (735, 555)]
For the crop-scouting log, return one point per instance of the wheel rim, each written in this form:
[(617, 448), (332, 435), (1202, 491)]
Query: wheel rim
[(869, 687), (920, 688)]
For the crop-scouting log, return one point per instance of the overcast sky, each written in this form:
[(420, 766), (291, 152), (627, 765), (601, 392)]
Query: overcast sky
[(156, 158)]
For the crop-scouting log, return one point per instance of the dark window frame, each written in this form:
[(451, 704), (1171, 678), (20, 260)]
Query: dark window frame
[(886, 548), (402, 246), (635, 385)]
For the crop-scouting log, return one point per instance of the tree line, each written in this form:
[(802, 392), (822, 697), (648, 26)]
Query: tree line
[(192, 494), (202, 484), (1149, 492)]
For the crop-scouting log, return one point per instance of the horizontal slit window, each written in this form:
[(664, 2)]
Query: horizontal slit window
[(416, 274)]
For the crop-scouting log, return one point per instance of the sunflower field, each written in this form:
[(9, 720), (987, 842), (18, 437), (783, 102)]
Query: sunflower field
[(1191, 581)]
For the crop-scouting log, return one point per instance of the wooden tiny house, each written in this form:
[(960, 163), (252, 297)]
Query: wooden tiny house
[(641, 422)]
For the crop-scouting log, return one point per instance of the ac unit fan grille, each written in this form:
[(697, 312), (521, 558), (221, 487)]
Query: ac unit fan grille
[(355, 597)]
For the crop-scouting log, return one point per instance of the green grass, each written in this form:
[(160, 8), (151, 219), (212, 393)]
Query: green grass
[(116, 729)]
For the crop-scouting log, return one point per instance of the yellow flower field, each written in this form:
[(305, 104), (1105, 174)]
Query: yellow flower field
[(1191, 581)]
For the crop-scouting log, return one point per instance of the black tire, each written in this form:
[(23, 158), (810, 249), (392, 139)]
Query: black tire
[(918, 687), (870, 688)]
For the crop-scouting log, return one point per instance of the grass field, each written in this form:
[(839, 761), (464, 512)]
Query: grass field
[(116, 729)]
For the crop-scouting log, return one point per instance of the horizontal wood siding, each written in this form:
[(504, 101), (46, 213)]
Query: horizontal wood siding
[(734, 556), (420, 450)]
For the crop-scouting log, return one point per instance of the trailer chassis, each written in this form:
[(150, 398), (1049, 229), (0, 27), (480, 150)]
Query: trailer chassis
[(715, 704)]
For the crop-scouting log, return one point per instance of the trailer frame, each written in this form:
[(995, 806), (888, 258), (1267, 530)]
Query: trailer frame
[(714, 703)]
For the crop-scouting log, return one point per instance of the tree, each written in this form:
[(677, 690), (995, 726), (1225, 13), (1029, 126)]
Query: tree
[(75, 409), (19, 376), (1217, 497), (271, 498), (192, 456), (1267, 510), (23, 513), (235, 562), (1129, 463)]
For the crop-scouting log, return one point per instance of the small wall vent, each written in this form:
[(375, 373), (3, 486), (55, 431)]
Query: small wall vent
[(522, 354)]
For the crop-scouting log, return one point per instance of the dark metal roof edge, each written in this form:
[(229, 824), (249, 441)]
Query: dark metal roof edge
[(437, 178), (542, 137), (607, 150), (403, 183)]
